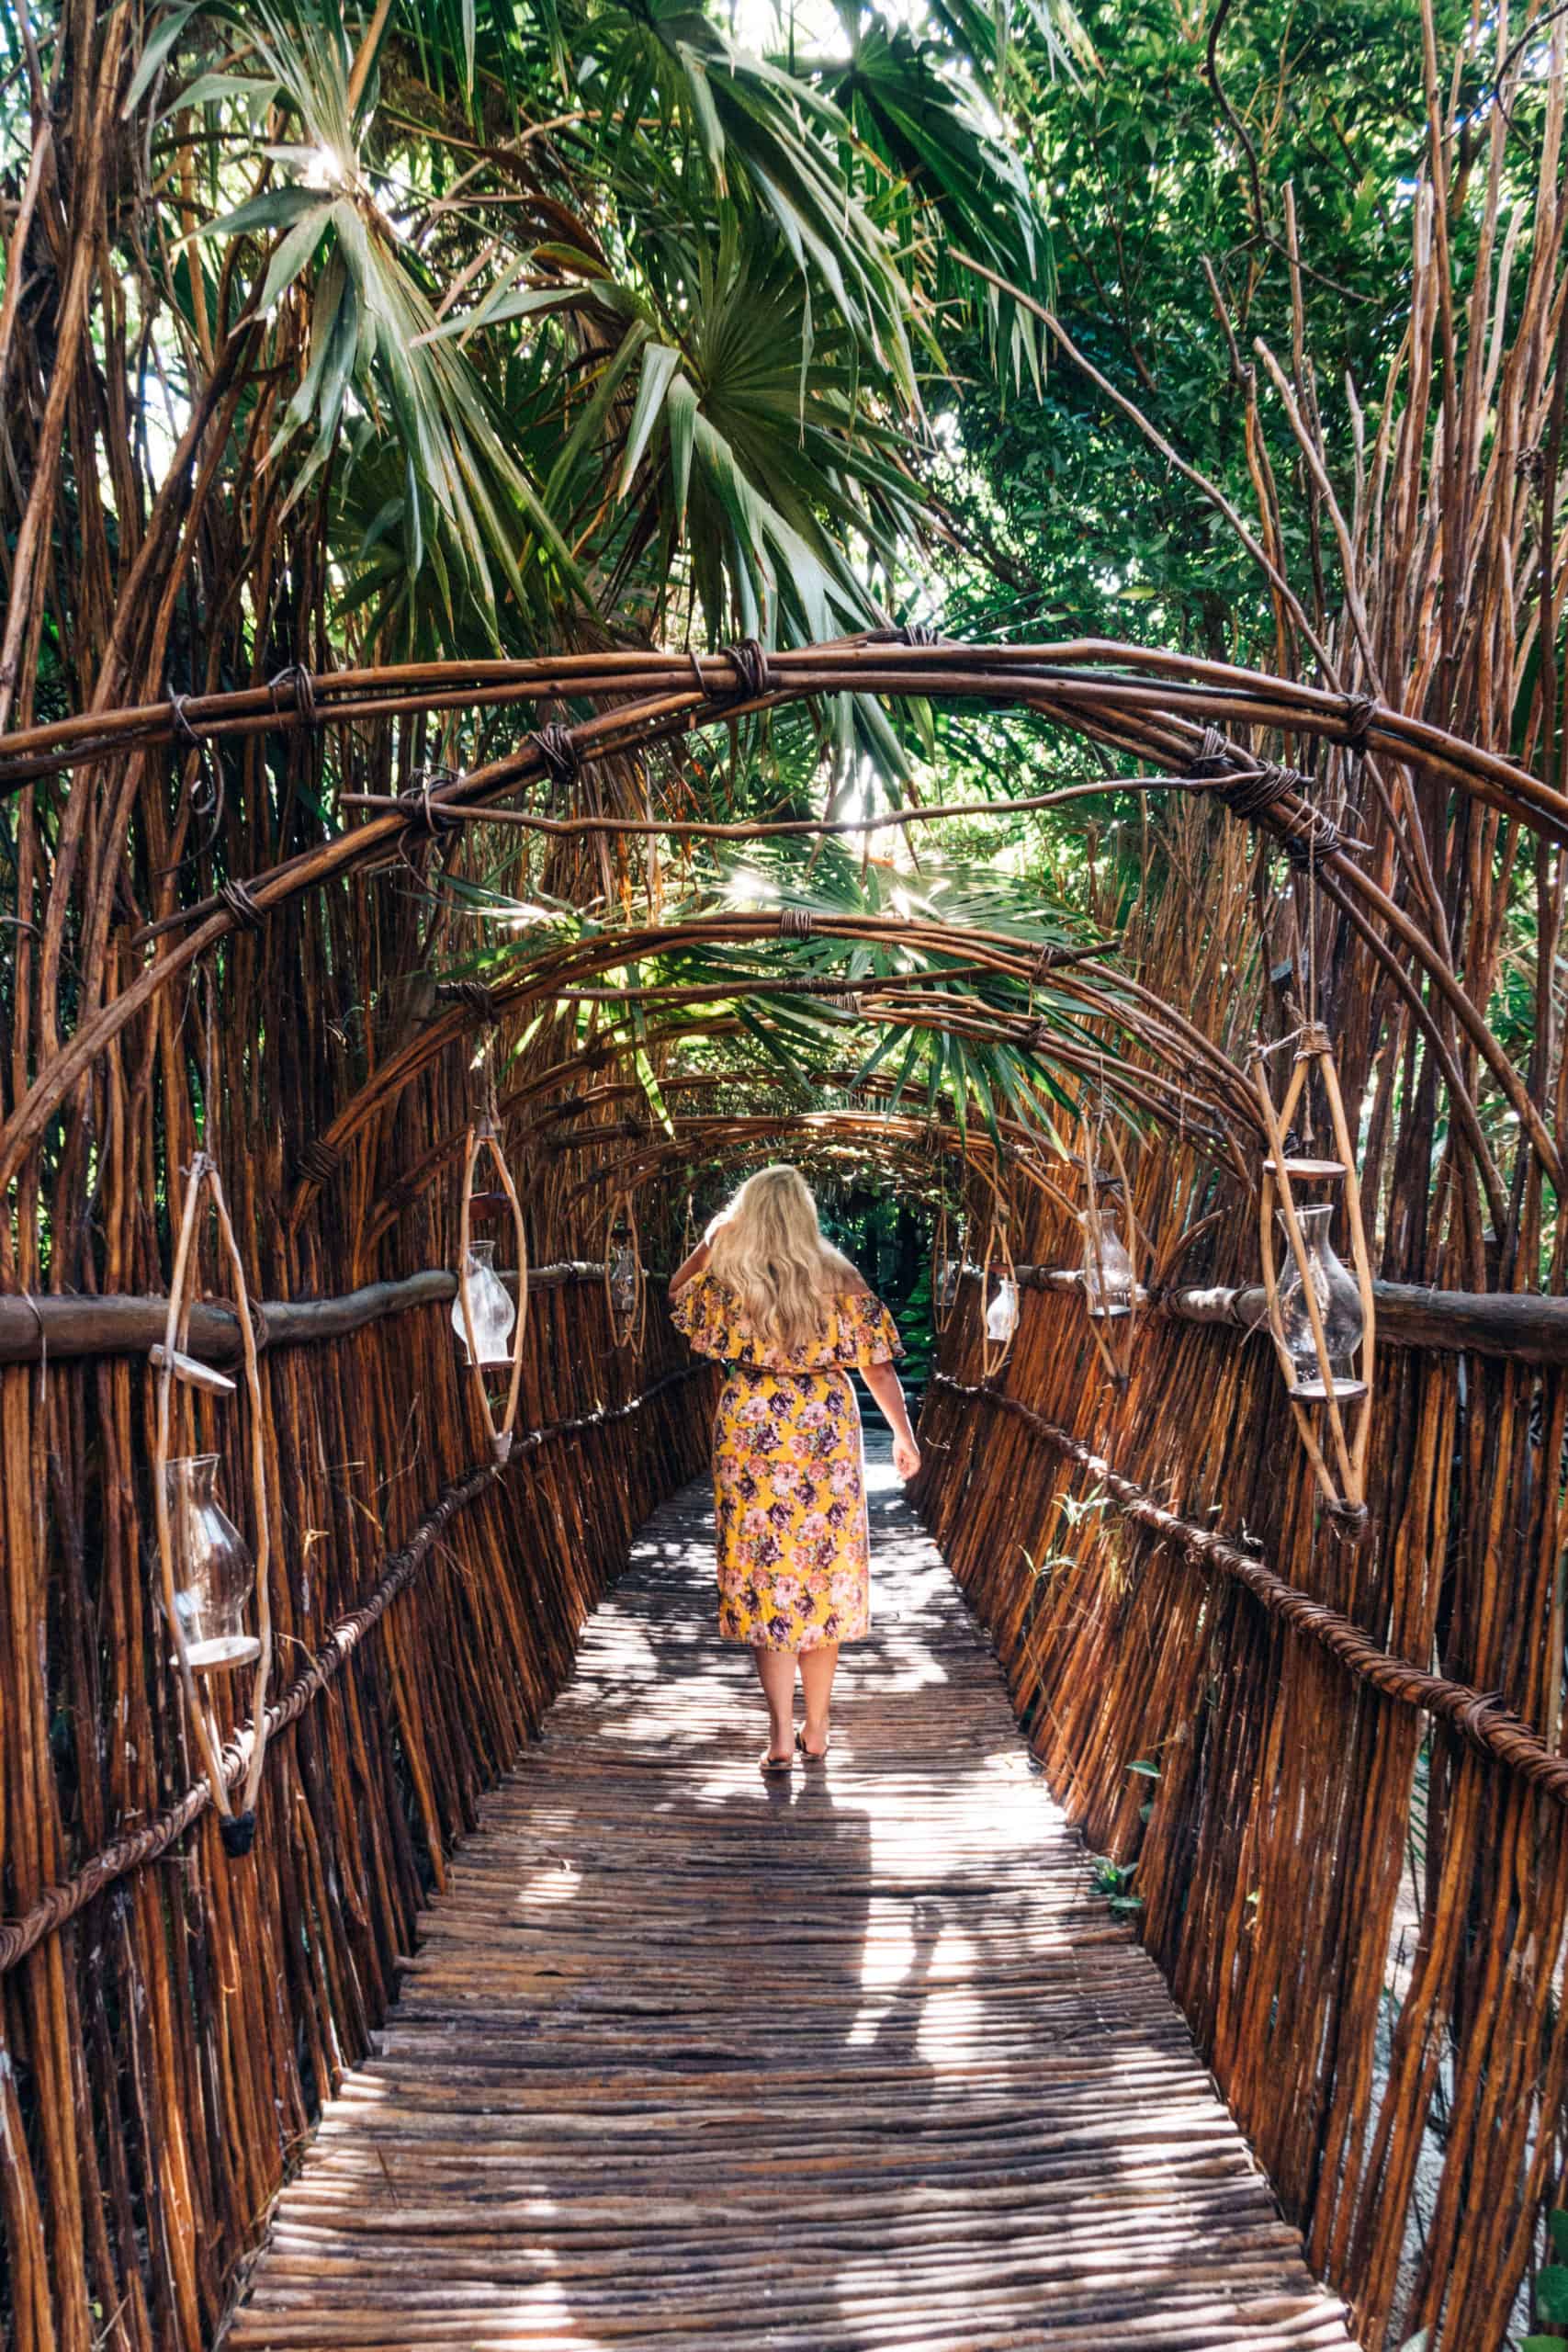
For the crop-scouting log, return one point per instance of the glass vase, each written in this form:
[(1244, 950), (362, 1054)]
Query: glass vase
[(623, 1280), (214, 1572), (1338, 1306), (493, 1309), (1001, 1316), (1108, 1272)]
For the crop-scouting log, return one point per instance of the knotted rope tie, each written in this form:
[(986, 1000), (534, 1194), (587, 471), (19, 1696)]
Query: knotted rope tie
[(558, 756), (1256, 794), (795, 923), (184, 733), (299, 683), (1360, 712), (916, 633), (207, 783), (1312, 837), (321, 1160), (1306, 835), (423, 812), (754, 678), (237, 898), (475, 994), (1212, 757)]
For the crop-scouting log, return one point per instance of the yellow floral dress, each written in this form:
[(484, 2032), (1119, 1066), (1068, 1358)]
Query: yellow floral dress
[(788, 1470)]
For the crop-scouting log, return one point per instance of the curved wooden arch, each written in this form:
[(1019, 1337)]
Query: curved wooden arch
[(873, 1135), (1146, 1092), (1159, 1028), (1156, 706)]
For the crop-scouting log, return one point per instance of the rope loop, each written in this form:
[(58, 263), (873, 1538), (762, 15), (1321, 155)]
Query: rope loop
[(476, 995), (917, 635), (1360, 712), (424, 814), (557, 755), (754, 677), (299, 683), (184, 733), (795, 923), (1255, 794), (1308, 842), (236, 896), (1212, 756), (320, 1159)]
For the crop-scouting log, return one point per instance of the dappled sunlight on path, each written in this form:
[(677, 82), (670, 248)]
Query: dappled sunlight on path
[(856, 2060)]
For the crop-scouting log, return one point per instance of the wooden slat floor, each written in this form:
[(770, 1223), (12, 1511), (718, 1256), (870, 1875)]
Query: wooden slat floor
[(689, 2060)]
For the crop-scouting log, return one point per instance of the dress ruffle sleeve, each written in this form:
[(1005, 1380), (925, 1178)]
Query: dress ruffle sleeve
[(865, 1322), (699, 1313)]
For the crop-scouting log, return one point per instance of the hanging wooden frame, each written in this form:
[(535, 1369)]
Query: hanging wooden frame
[(1114, 1348), (171, 1362), (1340, 1467), (484, 1137), (942, 1257), (998, 1260), (627, 1326)]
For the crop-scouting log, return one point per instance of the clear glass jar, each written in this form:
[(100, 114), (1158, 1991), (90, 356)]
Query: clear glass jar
[(494, 1309), (623, 1280), (1001, 1316), (1338, 1306), (214, 1572), (1108, 1274)]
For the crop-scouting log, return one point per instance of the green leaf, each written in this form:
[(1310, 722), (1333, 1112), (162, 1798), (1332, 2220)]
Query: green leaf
[(160, 41), (1148, 1772), (292, 252), (1557, 2225), (276, 208), (680, 413), (660, 364), (1552, 2293)]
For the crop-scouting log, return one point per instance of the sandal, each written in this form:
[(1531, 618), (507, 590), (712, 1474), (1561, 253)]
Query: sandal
[(772, 1766), (812, 1755)]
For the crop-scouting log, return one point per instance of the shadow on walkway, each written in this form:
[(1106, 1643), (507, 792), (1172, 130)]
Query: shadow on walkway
[(856, 2060)]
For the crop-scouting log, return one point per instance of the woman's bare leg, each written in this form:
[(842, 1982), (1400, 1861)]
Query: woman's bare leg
[(817, 1668), (776, 1672)]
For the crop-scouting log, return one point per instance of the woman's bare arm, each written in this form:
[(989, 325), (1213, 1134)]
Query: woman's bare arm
[(688, 1272), (884, 1385)]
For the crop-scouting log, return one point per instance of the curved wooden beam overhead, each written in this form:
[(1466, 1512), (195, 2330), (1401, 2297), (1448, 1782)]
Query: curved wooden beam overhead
[(869, 1134), (1161, 708), (1205, 1079)]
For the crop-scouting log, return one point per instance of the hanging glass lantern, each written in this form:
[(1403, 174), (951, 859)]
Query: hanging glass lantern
[(213, 1571), (1108, 1271), (623, 1279), (1001, 1314), (491, 1305), (1338, 1306), (947, 1283)]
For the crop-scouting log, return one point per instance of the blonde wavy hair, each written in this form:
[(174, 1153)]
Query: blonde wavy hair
[(768, 1248)]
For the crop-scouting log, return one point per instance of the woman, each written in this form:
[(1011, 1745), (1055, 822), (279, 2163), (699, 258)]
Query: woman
[(790, 1315)]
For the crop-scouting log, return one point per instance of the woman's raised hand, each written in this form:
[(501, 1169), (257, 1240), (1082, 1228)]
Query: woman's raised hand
[(906, 1456)]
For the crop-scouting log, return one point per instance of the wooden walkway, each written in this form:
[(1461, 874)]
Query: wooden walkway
[(689, 2061)]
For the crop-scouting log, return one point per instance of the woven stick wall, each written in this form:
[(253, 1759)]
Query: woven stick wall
[(1311, 1839)]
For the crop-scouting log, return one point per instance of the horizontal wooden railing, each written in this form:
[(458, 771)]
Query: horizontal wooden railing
[(39, 1327), (1527, 1327)]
